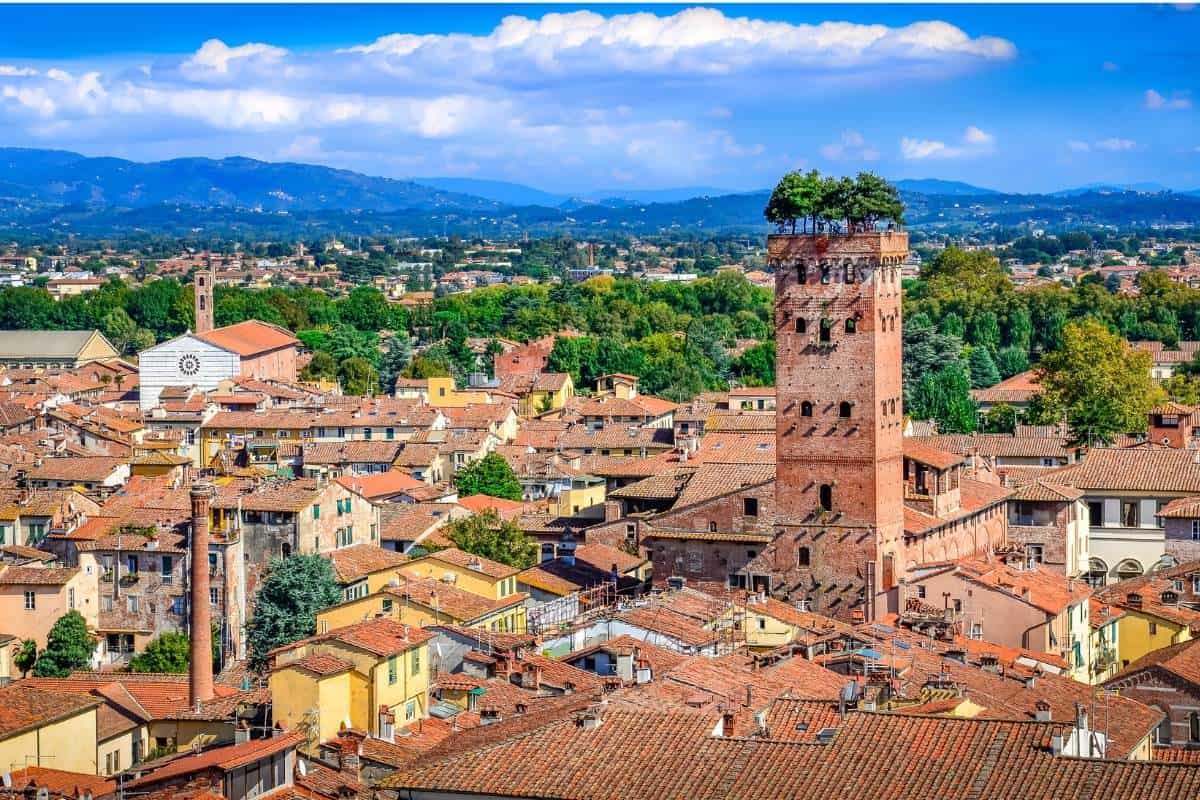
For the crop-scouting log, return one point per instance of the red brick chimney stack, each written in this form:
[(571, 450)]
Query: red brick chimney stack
[(201, 676)]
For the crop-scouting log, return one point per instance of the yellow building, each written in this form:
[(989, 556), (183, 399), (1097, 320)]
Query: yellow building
[(373, 676), (47, 729), (438, 392), (469, 572), (364, 569), (1153, 615), (422, 602), (540, 393), (584, 497)]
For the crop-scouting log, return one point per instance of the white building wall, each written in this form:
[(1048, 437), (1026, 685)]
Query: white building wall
[(161, 366)]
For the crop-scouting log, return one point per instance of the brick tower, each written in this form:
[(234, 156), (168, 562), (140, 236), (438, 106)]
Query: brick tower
[(839, 420), (203, 284), (200, 671)]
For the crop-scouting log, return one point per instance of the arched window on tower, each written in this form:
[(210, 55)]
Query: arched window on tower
[(848, 273), (803, 557), (892, 406), (826, 273), (202, 302), (826, 330), (825, 497), (801, 325), (806, 409), (851, 325), (844, 409), (802, 272)]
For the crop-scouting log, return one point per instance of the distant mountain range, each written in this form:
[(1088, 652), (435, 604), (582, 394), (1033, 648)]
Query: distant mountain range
[(55, 193)]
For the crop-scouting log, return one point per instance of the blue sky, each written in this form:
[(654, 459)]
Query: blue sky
[(582, 98)]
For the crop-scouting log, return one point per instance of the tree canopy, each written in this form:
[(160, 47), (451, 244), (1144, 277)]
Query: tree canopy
[(69, 647), (490, 475), (826, 203), (488, 536), (286, 605), (167, 653)]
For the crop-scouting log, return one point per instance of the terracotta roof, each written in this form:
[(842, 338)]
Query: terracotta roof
[(1181, 508), (381, 637), (148, 696), (460, 558), (249, 338), (360, 560), (1146, 470), (1018, 388), (1039, 586), (1042, 490), (37, 576), (665, 485), (670, 624), (1181, 660), (407, 522), (96, 468), (375, 451), (62, 781), (996, 445), (23, 707), (449, 599), (381, 484), (320, 664), (478, 503), (1150, 588), (222, 758), (931, 456), (713, 480)]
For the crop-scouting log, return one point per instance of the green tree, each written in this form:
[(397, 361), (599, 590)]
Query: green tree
[(26, 308), (357, 376), (26, 656), (69, 647), (1098, 383), (119, 328), (396, 358), (321, 367), (983, 369), (167, 653), (286, 604), (944, 396), (366, 309), (756, 366), (872, 200), (490, 475), (487, 536), (1000, 418), (794, 199), (1011, 360)]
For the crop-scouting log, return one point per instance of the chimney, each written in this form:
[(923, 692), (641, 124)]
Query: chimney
[(351, 744), (1056, 744), (728, 718), (749, 695), (1041, 711), (201, 683)]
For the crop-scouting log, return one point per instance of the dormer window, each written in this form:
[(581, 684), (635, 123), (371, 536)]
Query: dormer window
[(1169, 597)]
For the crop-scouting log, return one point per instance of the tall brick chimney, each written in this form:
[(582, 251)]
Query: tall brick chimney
[(201, 682)]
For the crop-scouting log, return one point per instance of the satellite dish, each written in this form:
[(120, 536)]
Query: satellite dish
[(302, 767)]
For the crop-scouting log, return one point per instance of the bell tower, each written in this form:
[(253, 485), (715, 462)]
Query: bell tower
[(839, 420), (203, 284)]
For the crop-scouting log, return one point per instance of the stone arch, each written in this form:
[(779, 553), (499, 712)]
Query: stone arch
[(1097, 574), (1129, 568)]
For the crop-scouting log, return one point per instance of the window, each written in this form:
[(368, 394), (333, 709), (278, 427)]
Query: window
[(826, 330), (976, 630), (851, 326), (71, 597), (30, 601), (750, 506), (387, 605), (1196, 530), (1095, 512), (802, 273), (1194, 727), (848, 273), (131, 603), (106, 604), (826, 274), (1129, 514), (806, 409), (1153, 628), (367, 434), (131, 565), (167, 565), (416, 661), (921, 592), (803, 557), (214, 595), (825, 501), (212, 563), (390, 433), (801, 325), (392, 669), (957, 606), (410, 710), (844, 409), (1035, 552), (316, 511), (712, 527), (176, 605), (762, 623), (1162, 734)]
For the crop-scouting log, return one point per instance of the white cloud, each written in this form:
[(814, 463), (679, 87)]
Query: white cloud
[(1115, 145), (1155, 101), (850, 147), (975, 142), (641, 92), (216, 58)]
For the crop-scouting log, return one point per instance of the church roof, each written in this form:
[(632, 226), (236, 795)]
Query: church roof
[(249, 338)]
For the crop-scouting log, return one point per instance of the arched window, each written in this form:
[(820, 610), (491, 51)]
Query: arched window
[(1129, 568), (826, 275), (1097, 574), (802, 272), (851, 326), (825, 497), (848, 274), (202, 301), (802, 557), (806, 409), (892, 404), (826, 330), (285, 549), (844, 409), (801, 325), (883, 408)]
